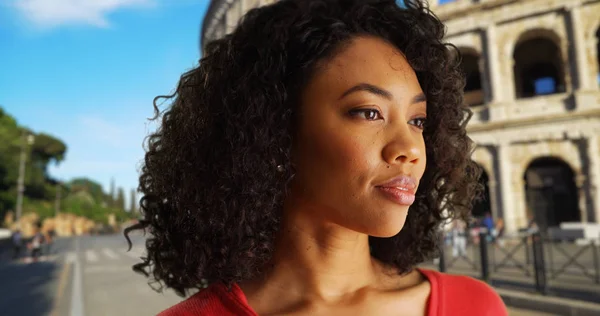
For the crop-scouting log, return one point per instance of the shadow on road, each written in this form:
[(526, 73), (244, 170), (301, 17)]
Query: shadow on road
[(27, 288)]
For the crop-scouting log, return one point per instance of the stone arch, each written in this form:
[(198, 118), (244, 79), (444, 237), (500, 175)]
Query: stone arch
[(552, 155), (483, 203), (597, 38), (539, 65), (551, 193), (471, 65)]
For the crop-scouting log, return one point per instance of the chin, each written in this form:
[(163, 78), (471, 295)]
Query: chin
[(390, 226)]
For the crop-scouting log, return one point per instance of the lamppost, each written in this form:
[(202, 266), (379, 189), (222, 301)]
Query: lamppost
[(27, 141), (57, 202)]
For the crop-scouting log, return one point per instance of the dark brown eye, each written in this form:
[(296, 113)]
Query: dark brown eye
[(418, 122), (367, 114)]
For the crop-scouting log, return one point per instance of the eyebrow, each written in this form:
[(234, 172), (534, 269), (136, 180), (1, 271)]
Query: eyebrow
[(380, 92), (419, 98)]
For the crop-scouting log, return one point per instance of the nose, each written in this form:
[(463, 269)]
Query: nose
[(403, 147)]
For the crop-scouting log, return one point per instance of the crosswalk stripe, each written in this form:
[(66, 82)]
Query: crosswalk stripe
[(133, 254), (91, 256), (109, 253)]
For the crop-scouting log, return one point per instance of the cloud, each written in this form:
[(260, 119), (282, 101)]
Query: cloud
[(52, 13)]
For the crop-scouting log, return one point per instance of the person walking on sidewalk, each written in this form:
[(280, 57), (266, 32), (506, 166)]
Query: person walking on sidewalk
[(36, 243), (488, 224), (49, 238), (17, 240), (459, 239)]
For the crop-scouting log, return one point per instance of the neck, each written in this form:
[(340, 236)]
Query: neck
[(318, 260)]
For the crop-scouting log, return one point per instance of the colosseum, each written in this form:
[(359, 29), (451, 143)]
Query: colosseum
[(533, 83)]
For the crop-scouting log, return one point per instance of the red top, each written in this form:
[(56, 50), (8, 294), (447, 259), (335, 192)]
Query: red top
[(450, 295)]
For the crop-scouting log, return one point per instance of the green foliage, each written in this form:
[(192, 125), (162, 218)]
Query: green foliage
[(81, 196), (44, 149), (133, 202), (112, 194), (43, 208), (120, 202), (10, 147), (89, 186), (86, 198)]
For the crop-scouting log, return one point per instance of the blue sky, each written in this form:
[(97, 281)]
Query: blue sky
[(86, 71)]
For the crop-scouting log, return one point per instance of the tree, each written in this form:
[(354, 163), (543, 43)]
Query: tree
[(112, 195), (90, 186), (10, 149), (45, 149), (80, 196), (133, 208), (120, 202)]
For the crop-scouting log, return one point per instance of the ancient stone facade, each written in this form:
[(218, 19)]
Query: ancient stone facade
[(533, 80), (63, 224)]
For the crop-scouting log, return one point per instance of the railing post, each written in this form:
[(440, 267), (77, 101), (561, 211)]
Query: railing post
[(442, 260), (551, 255), (538, 263), (595, 245), (526, 242), (483, 254)]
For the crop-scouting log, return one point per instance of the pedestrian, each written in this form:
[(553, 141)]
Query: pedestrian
[(36, 243), (49, 238), (459, 239), (308, 163), (473, 228), (488, 224), (17, 241)]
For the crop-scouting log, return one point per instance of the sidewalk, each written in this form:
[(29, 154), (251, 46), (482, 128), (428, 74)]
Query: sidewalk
[(548, 304), (525, 312)]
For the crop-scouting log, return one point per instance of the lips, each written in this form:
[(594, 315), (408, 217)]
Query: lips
[(400, 190)]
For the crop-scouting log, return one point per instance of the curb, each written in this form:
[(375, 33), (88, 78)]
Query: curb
[(547, 304)]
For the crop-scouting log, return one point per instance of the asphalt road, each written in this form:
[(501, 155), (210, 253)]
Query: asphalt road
[(87, 276)]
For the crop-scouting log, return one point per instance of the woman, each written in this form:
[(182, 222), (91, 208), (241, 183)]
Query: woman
[(303, 166)]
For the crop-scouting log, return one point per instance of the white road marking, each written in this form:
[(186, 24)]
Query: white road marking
[(77, 285), (109, 253), (71, 256), (133, 254), (91, 256), (107, 269)]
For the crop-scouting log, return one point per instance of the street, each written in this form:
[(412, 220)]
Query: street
[(88, 276)]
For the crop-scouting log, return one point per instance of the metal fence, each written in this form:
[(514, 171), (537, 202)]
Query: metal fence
[(539, 259)]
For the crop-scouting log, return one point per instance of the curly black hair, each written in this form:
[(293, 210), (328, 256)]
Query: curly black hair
[(216, 171)]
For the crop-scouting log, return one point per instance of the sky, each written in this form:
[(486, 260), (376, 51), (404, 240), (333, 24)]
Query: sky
[(86, 72)]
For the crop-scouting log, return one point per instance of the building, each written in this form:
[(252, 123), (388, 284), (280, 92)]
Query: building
[(533, 82)]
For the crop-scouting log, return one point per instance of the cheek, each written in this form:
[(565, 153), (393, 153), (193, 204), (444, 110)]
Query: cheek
[(341, 155), (423, 160)]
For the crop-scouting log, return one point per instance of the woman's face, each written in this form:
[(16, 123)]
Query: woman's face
[(359, 150)]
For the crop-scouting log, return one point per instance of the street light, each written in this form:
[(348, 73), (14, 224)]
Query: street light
[(28, 140), (57, 202)]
